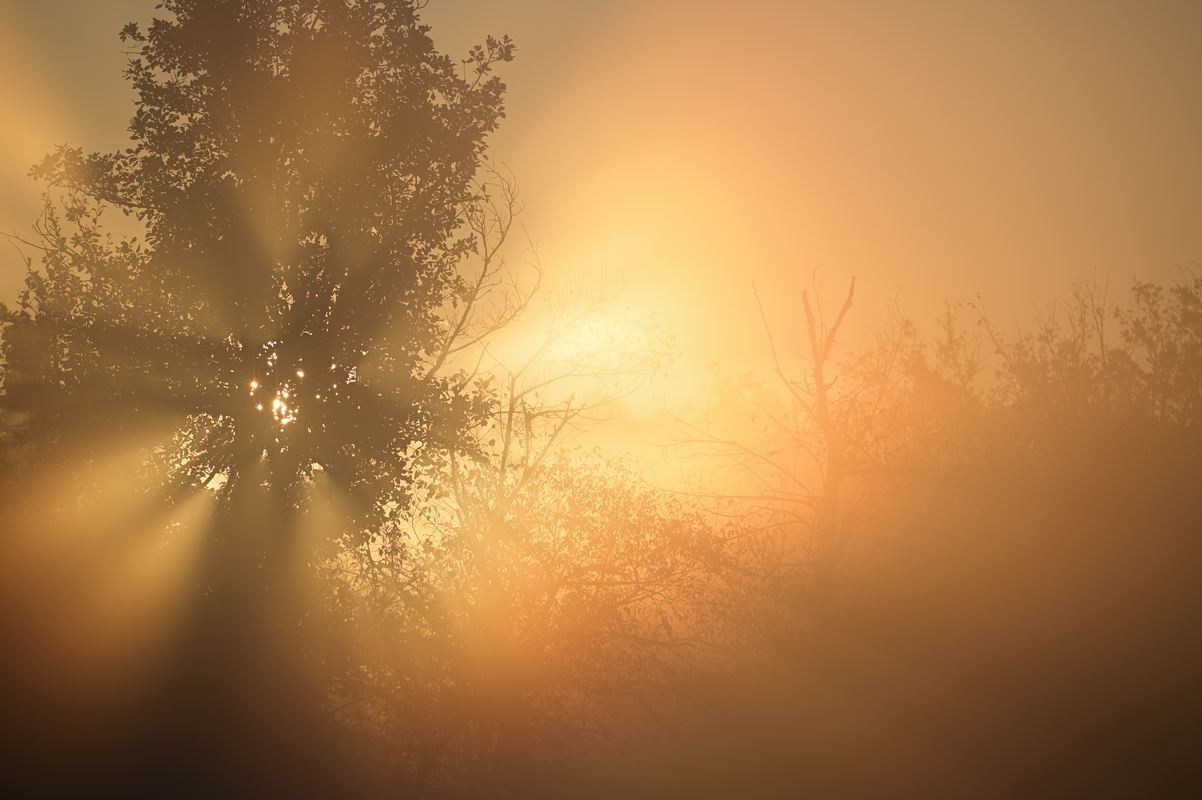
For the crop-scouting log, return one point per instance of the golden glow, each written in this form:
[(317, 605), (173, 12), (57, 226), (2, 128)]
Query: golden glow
[(109, 573), (284, 413), (672, 153)]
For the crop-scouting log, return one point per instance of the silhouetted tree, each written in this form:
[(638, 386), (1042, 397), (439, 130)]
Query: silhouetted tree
[(808, 438), (523, 613), (1019, 594), (523, 627), (303, 171), (1040, 549)]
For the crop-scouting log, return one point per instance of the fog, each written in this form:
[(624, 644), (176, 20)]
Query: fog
[(590, 400)]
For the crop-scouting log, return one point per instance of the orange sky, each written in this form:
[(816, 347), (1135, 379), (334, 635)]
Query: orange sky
[(677, 150)]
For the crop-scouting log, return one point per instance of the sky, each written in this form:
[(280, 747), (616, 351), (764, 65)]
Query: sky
[(675, 153)]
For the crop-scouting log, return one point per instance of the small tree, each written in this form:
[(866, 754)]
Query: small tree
[(788, 478)]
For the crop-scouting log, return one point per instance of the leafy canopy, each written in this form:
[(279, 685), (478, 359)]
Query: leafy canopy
[(302, 170)]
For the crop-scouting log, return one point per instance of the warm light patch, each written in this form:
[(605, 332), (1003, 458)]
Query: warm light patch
[(284, 413)]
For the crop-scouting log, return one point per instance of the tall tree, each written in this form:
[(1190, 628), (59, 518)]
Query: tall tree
[(303, 171)]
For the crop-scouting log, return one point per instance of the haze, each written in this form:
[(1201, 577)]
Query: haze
[(658, 399), (675, 152)]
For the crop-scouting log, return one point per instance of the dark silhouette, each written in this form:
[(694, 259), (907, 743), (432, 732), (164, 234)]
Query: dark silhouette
[(302, 172)]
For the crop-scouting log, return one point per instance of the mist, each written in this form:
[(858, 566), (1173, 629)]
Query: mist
[(646, 400)]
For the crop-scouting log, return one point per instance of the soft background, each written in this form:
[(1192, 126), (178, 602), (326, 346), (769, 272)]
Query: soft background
[(674, 152)]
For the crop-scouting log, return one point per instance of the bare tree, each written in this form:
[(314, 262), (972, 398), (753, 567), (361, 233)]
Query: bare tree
[(533, 592)]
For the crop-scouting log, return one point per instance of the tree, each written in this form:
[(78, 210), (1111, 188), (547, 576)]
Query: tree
[(303, 171), (1040, 543), (496, 646), (832, 425), (1020, 609), (534, 600), (806, 444)]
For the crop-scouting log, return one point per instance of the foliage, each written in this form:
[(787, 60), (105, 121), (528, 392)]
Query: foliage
[(303, 172), (1019, 564), (499, 634)]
